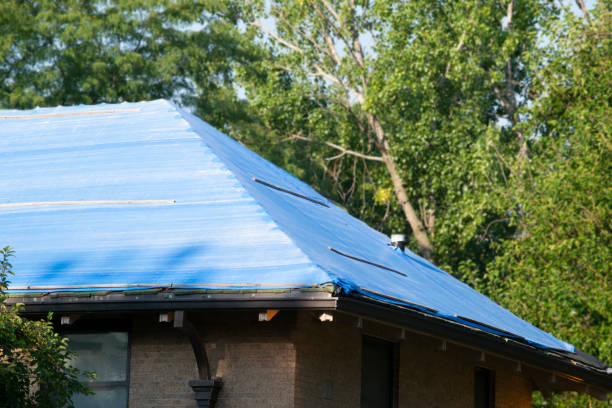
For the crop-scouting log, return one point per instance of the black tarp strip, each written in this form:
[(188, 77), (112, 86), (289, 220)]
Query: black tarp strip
[(284, 190), (406, 302), (488, 326), (366, 261)]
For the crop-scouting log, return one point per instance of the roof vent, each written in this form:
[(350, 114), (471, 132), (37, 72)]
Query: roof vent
[(399, 241)]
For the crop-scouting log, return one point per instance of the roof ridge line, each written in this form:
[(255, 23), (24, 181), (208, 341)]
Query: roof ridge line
[(190, 119)]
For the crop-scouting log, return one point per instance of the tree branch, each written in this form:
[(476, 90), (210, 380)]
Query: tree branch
[(276, 37), (342, 150), (338, 32), (331, 45), (331, 10), (457, 49), (584, 10), (331, 53), (509, 14), (336, 79), (356, 43), (319, 71), (346, 106)]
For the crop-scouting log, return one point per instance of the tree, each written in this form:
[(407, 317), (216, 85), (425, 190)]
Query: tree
[(34, 361), (79, 51), (555, 272), (403, 100), (496, 118)]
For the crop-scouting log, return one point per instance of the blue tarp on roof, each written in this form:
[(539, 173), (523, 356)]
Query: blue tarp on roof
[(147, 195)]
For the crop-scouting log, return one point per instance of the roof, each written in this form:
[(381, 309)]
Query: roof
[(146, 195)]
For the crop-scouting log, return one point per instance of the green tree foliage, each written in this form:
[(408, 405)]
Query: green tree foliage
[(80, 51), (397, 105), (556, 271), (483, 128), (496, 118), (446, 75), (34, 361)]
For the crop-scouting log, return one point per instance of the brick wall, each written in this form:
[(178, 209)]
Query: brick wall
[(328, 369), (256, 360), (297, 361), (513, 390), (430, 377), (433, 378), (161, 364)]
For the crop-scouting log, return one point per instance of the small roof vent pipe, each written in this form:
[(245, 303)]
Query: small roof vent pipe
[(399, 241)]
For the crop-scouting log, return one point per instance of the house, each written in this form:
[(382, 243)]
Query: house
[(188, 271)]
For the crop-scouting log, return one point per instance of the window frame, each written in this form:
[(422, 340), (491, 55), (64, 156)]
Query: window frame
[(97, 326)]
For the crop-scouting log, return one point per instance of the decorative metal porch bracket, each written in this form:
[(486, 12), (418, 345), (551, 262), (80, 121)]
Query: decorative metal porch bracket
[(205, 387)]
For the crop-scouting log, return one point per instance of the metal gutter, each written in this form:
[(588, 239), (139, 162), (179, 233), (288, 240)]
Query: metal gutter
[(170, 301)]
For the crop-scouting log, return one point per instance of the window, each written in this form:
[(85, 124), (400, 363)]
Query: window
[(105, 353), (378, 373), (484, 388)]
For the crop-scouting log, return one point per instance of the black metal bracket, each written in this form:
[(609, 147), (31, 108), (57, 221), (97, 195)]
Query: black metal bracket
[(205, 388)]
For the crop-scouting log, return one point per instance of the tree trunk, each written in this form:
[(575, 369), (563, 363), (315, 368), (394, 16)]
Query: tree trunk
[(418, 229)]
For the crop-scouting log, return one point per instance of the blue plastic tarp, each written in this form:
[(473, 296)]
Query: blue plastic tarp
[(147, 195)]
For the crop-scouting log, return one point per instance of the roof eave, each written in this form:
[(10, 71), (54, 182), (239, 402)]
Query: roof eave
[(399, 316), (169, 301), (474, 338)]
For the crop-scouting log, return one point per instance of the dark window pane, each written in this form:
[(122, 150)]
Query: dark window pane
[(115, 397), (484, 388), (376, 373), (103, 353)]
